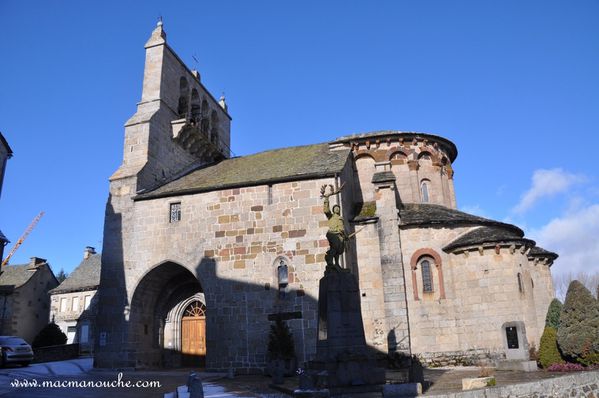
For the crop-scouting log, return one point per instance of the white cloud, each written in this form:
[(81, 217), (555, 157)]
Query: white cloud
[(546, 183), (575, 237)]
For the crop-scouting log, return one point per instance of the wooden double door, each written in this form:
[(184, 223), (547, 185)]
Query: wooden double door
[(193, 334)]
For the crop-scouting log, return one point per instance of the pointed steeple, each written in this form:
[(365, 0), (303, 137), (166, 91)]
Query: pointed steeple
[(158, 36), (223, 103)]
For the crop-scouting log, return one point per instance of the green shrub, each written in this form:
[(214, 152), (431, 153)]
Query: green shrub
[(553, 313), (589, 359), (578, 324), (49, 335), (548, 351), (280, 341)]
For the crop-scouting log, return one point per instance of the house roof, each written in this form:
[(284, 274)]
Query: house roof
[(430, 215), (485, 234), (85, 277), (279, 165), (16, 275)]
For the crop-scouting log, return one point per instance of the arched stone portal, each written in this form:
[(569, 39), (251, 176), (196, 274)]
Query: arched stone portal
[(157, 307)]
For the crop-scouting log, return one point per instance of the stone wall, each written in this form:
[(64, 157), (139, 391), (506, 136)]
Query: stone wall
[(481, 294), (232, 241), (55, 353), (583, 384), (411, 160), (474, 357), (72, 316), (31, 304)]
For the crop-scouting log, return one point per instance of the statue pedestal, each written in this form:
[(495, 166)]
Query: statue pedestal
[(343, 360)]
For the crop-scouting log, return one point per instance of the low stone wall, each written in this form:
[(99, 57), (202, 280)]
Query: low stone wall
[(580, 384), (458, 358), (55, 353)]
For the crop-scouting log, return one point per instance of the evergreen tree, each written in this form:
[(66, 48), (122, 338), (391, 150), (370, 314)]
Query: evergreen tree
[(553, 313), (548, 350), (49, 335), (61, 276), (579, 324)]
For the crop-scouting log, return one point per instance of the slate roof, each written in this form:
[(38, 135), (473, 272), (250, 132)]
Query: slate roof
[(16, 275), (424, 214), (279, 165), (383, 176), (496, 235), (85, 277), (540, 252)]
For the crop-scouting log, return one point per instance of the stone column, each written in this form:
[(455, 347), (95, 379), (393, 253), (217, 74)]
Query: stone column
[(452, 198), (392, 269), (413, 166)]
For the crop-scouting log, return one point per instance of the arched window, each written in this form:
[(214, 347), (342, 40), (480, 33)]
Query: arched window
[(205, 122), (431, 273), (424, 191), (195, 309), (196, 110), (427, 276), (183, 94), (520, 285), (214, 130)]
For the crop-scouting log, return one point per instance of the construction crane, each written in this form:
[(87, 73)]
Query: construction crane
[(22, 238)]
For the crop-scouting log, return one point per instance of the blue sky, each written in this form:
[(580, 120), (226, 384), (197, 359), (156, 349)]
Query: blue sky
[(513, 84)]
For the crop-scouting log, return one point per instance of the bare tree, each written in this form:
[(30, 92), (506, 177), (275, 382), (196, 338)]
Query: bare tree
[(589, 279)]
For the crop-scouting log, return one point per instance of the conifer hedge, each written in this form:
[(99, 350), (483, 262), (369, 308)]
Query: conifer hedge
[(548, 351), (577, 335)]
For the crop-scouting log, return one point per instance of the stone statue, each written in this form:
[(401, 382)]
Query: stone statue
[(336, 234)]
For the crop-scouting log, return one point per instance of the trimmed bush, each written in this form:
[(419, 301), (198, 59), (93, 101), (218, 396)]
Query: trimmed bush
[(548, 351), (49, 335), (578, 324), (553, 313)]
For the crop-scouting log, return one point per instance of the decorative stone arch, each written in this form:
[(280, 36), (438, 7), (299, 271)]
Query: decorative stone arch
[(175, 315), (160, 289), (214, 127), (419, 254), (397, 156), (364, 154), (364, 171), (425, 156), (196, 110)]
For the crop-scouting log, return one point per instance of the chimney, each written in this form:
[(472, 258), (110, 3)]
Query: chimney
[(88, 252), (36, 261)]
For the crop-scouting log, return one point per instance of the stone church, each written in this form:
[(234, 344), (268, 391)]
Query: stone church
[(202, 250)]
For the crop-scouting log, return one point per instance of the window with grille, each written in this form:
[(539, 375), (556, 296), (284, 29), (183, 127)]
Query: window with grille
[(427, 276), (175, 212)]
